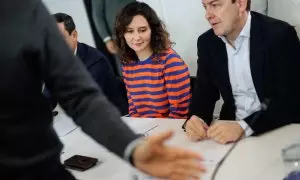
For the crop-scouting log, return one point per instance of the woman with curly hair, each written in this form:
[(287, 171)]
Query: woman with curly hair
[(156, 78)]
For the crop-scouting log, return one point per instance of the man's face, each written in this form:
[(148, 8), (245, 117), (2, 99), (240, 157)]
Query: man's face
[(223, 15), (71, 39)]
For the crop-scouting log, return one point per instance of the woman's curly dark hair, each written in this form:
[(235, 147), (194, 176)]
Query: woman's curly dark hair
[(159, 36)]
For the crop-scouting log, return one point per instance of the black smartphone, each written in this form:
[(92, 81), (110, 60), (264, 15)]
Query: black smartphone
[(80, 163)]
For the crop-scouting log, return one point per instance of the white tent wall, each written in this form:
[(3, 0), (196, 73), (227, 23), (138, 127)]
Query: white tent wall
[(76, 9), (286, 10)]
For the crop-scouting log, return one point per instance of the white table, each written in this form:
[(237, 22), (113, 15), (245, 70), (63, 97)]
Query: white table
[(255, 158)]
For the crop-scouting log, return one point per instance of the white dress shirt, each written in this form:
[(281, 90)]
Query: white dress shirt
[(75, 51), (243, 90)]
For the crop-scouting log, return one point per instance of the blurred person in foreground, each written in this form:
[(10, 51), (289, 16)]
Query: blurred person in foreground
[(32, 52)]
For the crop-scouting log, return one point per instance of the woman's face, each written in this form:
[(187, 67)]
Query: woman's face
[(138, 34)]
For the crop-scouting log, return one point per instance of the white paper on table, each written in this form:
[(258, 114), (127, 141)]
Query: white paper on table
[(140, 125), (63, 124), (213, 157)]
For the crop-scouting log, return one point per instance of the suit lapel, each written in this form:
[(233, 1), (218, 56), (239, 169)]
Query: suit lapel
[(221, 59), (257, 56), (220, 62)]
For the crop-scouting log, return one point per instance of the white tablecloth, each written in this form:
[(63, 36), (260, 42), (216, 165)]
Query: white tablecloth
[(255, 158)]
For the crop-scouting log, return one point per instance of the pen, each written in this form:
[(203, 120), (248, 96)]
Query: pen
[(145, 134)]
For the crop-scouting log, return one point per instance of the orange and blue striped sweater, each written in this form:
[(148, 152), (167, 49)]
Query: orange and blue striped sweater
[(158, 86)]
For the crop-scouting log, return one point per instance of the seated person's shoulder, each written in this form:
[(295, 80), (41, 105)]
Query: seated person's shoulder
[(170, 55), (276, 28), (91, 55), (207, 39), (208, 35)]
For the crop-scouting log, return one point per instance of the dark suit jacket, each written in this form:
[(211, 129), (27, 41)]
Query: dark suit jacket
[(275, 70), (100, 69), (32, 51)]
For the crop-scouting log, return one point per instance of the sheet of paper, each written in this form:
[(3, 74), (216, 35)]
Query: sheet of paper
[(140, 125), (63, 124)]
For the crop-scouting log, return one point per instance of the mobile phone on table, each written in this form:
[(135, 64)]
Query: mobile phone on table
[(80, 163)]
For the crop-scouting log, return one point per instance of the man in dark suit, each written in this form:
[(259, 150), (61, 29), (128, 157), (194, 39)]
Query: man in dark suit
[(32, 52), (95, 62), (250, 59)]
